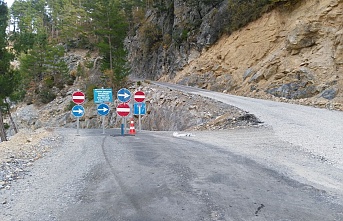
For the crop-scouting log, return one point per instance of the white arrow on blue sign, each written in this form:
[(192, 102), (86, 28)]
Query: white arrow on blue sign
[(142, 108), (124, 95), (78, 111), (103, 109)]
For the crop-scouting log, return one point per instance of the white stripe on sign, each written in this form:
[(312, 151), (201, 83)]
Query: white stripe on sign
[(139, 96), (120, 109), (78, 97)]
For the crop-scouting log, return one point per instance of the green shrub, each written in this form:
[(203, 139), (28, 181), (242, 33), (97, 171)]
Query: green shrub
[(89, 91), (70, 80), (70, 106), (46, 96), (180, 35), (49, 81), (6, 126), (88, 64)]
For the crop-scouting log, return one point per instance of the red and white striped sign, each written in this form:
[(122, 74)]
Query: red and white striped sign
[(79, 97), (139, 96), (123, 109)]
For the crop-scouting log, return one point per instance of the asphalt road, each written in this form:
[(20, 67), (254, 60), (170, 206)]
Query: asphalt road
[(154, 176), (287, 169), (313, 129)]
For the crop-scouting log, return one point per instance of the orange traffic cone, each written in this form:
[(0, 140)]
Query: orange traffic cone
[(132, 127)]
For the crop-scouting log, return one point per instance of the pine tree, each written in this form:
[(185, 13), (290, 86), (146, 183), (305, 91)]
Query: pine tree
[(111, 28), (6, 86)]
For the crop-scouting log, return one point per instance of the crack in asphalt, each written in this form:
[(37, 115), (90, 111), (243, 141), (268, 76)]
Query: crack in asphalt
[(259, 209)]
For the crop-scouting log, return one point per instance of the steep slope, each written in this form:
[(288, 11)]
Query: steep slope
[(294, 56)]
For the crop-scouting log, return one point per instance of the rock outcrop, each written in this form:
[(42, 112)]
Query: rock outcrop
[(173, 33), (293, 56), (290, 55)]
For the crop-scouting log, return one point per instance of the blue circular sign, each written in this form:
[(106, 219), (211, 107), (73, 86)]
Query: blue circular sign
[(78, 111), (103, 109), (124, 95)]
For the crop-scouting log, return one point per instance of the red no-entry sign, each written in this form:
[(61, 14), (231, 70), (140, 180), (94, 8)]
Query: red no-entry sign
[(123, 109), (78, 97), (139, 96)]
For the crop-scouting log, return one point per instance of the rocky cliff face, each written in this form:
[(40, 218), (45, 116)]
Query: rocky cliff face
[(173, 33), (290, 55)]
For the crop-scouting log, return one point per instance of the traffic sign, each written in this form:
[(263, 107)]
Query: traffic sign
[(139, 96), (139, 108), (103, 109), (123, 109), (78, 111), (124, 95), (78, 97), (102, 95)]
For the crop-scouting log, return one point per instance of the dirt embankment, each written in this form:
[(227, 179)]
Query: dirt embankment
[(293, 56), (21, 151)]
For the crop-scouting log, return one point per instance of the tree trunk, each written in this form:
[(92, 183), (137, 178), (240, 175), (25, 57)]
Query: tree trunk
[(109, 42), (11, 119), (2, 128)]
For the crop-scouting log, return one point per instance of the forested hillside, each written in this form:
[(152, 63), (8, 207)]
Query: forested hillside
[(42, 31), (40, 37)]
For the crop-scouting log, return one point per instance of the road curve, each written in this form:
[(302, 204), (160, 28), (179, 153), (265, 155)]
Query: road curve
[(318, 131)]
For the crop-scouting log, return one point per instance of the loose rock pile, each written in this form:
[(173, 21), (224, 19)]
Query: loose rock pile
[(19, 153), (167, 110), (177, 111)]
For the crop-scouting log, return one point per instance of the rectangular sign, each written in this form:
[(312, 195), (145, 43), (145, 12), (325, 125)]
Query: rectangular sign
[(136, 108), (102, 95)]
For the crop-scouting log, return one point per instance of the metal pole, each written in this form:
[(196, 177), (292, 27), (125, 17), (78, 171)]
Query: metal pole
[(139, 117), (124, 124), (122, 127), (103, 124), (78, 126)]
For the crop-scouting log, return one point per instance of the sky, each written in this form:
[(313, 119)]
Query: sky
[(9, 2)]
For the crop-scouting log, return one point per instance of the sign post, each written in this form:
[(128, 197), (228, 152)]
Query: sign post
[(123, 110), (78, 111), (139, 117), (102, 95), (124, 95), (78, 97), (139, 97), (139, 109), (103, 109)]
